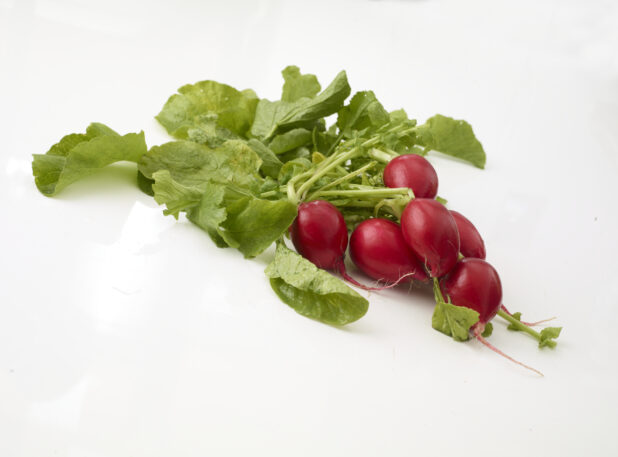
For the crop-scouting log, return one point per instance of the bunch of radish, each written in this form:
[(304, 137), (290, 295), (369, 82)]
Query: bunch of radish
[(246, 169), (429, 243)]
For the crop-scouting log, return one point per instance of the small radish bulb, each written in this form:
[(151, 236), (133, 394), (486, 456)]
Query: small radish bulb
[(413, 171), (431, 232), (319, 234), (470, 241), (377, 247), (475, 284)]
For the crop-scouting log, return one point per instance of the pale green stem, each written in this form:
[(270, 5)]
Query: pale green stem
[(334, 145), (319, 173), (520, 325), (343, 179), (354, 203), (270, 193), (292, 195), (380, 155), (324, 167), (436, 291), (368, 193)]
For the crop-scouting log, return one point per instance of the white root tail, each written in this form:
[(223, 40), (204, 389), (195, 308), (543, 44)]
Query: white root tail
[(529, 324), (478, 329), (343, 272)]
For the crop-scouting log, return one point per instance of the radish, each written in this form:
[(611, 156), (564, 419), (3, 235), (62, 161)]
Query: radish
[(430, 230), (470, 242), (413, 171), (475, 284), (319, 234), (377, 247), (471, 245)]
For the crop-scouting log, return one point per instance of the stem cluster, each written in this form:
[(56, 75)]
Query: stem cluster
[(342, 188)]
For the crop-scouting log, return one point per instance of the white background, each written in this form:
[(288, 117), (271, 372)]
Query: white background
[(124, 333)]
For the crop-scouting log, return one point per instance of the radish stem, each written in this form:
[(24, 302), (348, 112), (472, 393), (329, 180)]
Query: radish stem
[(374, 192), (343, 179), (329, 165), (523, 327), (529, 324)]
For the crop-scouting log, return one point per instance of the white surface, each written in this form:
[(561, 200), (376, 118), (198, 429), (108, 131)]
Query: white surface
[(123, 333)]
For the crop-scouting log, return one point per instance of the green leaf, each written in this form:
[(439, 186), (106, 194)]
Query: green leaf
[(398, 116), (304, 112), (298, 86), (269, 185), (293, 168), (192, 164), (516, 316), (209, 132), (363, 112), (298, 153), (313, 292), (145, 184), (206, 103), (489, 329), (452, 137), (253, 224), (453, 320), (173, 194), (548, 335), (403, 139), (324, 142), (210, 213), (268, 114), (76, 156), (324, 104), (271, 165), (232, 216), (292, 139)]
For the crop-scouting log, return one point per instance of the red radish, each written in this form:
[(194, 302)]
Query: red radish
[(377, 247), (430, 230), (475, 284), (413, 171), (470, 242), (319, 234)]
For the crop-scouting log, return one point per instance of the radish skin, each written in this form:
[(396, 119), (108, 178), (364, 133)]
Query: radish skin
[(378, 249), (413, 171), (471, 243), (431, 232)]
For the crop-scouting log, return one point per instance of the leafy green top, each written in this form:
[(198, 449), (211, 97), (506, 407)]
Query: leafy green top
[(78, 155), (313, 292), (452, 137), (271, 117), (241, 165), (298, 86), (205, 105), (454, 321)]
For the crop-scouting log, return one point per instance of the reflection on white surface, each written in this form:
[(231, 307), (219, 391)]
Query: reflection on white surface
[(63, 411), (19, 166), (121, 267)]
